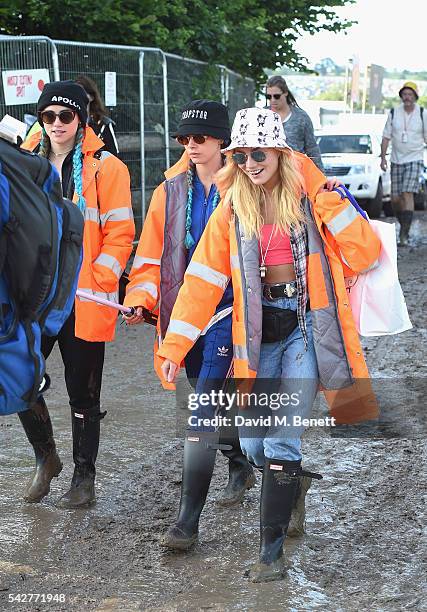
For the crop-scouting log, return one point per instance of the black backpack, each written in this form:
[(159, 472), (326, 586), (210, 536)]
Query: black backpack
[(41, 236)]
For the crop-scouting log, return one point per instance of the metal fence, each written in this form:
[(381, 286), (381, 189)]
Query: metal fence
[(152, 87)]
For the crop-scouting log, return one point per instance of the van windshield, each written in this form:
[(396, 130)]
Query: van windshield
[(348, 143)]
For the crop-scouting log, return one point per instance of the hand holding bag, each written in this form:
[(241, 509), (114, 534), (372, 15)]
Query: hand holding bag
[(376, 297)]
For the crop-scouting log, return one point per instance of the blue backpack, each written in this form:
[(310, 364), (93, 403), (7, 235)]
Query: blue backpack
[(41, 237)]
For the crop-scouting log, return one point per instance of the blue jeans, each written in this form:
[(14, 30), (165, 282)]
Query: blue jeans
[(207, 366), (295, 375)]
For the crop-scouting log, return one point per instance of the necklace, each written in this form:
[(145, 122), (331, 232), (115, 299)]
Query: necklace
[(59, 154), (263, 267)]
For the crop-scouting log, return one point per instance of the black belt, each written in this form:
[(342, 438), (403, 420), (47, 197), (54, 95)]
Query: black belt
[(281, 290)]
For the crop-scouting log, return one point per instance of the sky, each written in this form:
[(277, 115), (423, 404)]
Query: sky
[(391, 33)]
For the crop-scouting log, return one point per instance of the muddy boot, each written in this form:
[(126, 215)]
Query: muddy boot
[(240, 475), (86, 428), (279, 486), (405, 220), (199, 460), (38, 427), (297, 522)]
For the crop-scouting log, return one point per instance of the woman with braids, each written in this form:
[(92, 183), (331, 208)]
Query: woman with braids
[(98, 119), (296, 123), (99, 185), (287, 247), (178, 214)]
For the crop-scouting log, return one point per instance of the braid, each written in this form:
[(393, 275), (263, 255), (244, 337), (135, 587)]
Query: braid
[(78, 169), (189, 240), (216, 199), (44, 149)]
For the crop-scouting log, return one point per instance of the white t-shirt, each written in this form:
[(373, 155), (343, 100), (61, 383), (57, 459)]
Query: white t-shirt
[(409, 147)]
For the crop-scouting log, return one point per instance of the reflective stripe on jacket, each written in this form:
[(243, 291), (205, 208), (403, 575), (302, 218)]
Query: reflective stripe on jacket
[(161, 257), (335, 230), (108, 235)]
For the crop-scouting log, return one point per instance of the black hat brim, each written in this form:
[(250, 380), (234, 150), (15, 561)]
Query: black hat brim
[(205, 130)]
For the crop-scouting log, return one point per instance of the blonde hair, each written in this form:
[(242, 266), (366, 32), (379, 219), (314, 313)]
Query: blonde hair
[(247, 199)]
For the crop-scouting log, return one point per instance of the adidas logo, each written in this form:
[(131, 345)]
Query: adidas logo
[(222, 351)]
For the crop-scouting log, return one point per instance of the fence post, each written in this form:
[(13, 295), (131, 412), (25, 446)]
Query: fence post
[(142, 132), (55, 61), (166, 108), (224, 85)]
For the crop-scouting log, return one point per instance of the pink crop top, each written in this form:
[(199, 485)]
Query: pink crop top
[(279, 250)]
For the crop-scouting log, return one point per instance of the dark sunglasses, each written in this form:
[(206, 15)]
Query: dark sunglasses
[(242, 158), (275, 96), (185, 140), (65, 116)]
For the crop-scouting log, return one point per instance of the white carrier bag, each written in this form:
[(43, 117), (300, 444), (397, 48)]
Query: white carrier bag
[(376, 297)]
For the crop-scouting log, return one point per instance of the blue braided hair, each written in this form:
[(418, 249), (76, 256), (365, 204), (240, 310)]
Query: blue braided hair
[(189, 240), (44, 149), (78, 169)]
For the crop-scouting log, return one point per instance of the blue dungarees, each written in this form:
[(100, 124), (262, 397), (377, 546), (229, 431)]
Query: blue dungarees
[(209, 361)]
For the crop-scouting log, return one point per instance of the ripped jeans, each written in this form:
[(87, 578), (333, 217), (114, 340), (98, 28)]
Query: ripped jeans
[(287, 369)]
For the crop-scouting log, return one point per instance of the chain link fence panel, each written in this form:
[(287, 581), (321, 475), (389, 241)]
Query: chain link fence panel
[(151, 89)]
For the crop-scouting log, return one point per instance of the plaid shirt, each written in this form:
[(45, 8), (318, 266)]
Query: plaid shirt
[(299, 244)]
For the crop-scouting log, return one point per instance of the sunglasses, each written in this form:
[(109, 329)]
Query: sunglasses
[(185, 140), (242, 158), (275, 96), (65, 116)]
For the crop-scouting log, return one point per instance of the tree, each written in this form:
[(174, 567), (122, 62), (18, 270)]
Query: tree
[(245, 35)]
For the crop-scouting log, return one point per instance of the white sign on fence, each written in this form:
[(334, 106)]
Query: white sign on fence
[(110, 89), (23, 86)]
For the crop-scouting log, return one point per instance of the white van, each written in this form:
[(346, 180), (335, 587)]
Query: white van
[(352, 154)]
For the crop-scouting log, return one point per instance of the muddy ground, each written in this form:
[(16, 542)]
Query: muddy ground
[(363, 549)]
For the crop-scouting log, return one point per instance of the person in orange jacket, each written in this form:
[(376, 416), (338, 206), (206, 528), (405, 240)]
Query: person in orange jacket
[(177, 216), (178, 213), (99, 184), (287, 257)]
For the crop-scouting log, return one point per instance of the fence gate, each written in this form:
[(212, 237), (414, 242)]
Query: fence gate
[(151, 88)]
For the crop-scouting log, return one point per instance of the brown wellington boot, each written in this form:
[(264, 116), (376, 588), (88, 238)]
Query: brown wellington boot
[(297, 522), (405, 220), (38, 427)]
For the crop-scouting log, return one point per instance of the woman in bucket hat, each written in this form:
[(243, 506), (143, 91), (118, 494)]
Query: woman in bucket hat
[(178, 213), (99, 184), (287, 247)]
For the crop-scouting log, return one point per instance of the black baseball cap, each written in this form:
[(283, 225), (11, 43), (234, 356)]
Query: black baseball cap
[(206, 118)]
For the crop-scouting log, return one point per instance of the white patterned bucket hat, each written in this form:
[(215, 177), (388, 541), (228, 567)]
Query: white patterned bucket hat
[(257, 127)]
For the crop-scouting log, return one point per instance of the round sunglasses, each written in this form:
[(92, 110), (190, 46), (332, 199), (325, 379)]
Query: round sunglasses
[(242, 158), (65, 116), (275, 96), (198, 139)]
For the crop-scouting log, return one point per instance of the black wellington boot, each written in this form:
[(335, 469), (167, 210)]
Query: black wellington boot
[(38, 427), (86, 428), (240, 472), (279, 487), (199, 461)]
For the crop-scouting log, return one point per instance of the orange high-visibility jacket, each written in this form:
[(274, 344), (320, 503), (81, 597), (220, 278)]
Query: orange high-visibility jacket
[(161, 258), (340, 243), (108, 234)]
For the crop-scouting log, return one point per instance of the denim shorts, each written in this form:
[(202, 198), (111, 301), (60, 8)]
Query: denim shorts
[(289, 370)]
